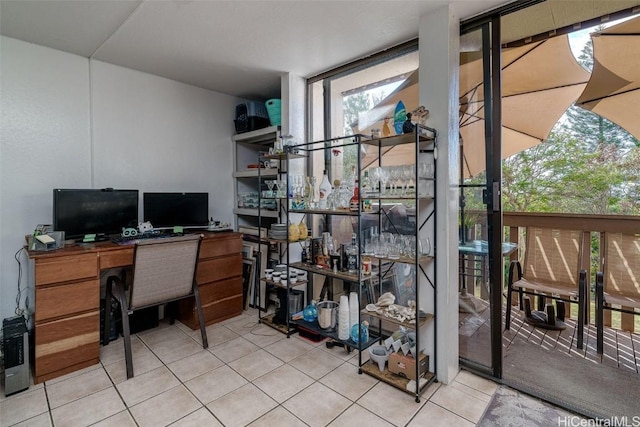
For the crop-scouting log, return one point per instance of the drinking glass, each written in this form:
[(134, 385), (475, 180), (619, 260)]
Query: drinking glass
[(424, 246), (270, 184), (280, 186), (408, 175), (375, 178), (394, 177), (384, 178)]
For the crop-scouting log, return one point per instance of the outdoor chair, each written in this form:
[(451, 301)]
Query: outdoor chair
[(551, 270), (164, 270), (618, 282)]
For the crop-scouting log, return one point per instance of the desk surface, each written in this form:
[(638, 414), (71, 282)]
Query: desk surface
[(481, 248), (108, 246)]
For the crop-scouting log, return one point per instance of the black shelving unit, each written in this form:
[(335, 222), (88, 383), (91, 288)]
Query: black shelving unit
[(423, 266)]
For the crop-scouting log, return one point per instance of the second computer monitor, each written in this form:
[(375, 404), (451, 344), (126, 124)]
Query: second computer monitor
[(176, 209)]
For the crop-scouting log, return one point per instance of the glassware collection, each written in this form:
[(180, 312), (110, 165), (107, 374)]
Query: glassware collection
[(347, 246)]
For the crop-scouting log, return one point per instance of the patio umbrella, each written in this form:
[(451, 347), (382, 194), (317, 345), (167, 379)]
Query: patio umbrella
[(613, 90), (539, 82)]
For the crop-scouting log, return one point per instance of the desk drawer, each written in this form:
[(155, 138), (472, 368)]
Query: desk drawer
[(63, 300), (211, 270), (65, 269), (67, 342), (217, 291), (222, 310), (119, 258), (210, 248)]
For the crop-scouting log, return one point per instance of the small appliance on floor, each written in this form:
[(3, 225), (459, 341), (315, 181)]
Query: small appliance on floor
[(16, 355)]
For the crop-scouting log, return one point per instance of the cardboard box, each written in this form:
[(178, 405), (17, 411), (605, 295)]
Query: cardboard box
[(405, 366)]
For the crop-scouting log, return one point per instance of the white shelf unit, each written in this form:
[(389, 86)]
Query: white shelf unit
[(247, 147)]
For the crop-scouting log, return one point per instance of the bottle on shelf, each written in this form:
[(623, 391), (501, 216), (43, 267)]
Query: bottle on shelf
[(354, 203), (325, 190), (352, 255), (366, 188), (310, 312), (363, 328)]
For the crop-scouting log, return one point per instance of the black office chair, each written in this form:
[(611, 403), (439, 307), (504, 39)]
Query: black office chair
[(164, 271)]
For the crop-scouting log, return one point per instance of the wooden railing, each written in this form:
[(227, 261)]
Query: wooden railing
[(593, 225)]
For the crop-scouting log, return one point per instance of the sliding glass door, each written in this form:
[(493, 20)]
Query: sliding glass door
[(480, 222)]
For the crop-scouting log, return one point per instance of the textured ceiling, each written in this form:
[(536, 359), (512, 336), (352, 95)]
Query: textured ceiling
[(242, 47)]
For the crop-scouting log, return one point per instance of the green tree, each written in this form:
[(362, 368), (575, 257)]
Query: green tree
[(353, 105), (562, 175)]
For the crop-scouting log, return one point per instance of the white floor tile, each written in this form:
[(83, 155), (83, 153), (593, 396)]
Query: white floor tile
[(88, 410), (391, 404), (201, 417), (279, 417), (256, 364), (165, 408), (23, 406), (194, 365), (317, 405), (216, 383), (283, 383), (144, 386), (74, 388), (241, 406), (233, 349)]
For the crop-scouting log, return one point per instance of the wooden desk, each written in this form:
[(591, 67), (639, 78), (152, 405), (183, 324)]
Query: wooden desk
[(67, 297)]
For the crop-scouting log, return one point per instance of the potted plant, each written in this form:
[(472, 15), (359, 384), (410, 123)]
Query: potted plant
[(467, 221)]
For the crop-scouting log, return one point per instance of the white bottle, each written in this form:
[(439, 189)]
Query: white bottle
[(325, 190)]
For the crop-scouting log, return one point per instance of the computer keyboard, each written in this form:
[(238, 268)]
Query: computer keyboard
[(123, 240)]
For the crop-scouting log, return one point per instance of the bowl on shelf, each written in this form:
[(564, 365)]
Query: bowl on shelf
[(379, 354)]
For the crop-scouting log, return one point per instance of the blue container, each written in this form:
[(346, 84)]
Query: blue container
[(273, 108)]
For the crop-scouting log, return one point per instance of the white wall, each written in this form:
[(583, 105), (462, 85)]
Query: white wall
[(439, 58), (67, 122)]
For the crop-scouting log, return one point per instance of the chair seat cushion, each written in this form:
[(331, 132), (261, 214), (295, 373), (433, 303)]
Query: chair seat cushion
[(531, 285)]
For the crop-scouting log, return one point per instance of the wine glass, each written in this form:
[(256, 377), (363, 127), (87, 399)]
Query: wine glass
[(408, 173), (374, 174), (394, 176), (384, 178), (280, 186), (270, 184)]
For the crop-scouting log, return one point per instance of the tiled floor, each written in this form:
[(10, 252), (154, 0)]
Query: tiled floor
[(249, 375)]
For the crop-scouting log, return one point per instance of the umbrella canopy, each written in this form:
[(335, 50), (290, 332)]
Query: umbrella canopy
[(539, 82), (613, 90)]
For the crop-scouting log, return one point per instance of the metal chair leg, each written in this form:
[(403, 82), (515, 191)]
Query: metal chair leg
[(599, 312), (126, 332), (507, 322), (582, 292), (203, 329)]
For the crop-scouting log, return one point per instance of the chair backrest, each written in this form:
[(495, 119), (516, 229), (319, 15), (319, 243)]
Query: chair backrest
[(164, 270), (621, 265), (553, 256)]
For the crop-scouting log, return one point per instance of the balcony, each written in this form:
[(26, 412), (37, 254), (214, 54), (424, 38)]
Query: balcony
[(599, 381)]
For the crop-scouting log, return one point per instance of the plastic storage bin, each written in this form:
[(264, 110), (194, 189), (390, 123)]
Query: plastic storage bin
[(273, 108), (251, 116)]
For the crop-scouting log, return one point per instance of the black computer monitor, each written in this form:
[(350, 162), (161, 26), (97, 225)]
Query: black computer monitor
[(176, 209), (79, 212)]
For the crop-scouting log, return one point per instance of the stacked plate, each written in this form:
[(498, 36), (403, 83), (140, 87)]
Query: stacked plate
[(278, 231)]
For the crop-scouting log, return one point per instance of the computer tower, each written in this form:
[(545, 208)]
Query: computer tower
[(16, 355)]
